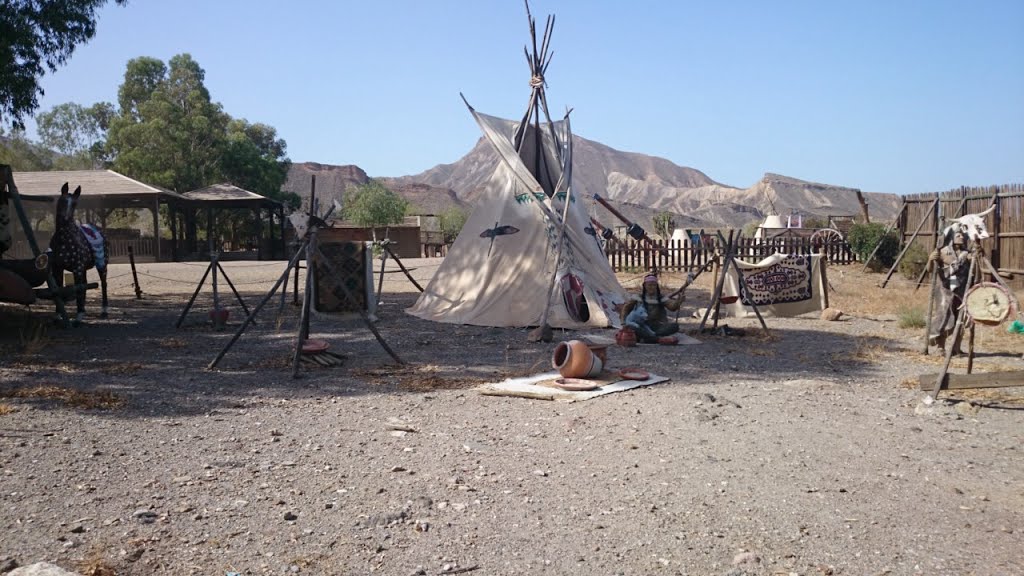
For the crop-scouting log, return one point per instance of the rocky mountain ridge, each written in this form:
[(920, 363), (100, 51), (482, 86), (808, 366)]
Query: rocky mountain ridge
[(638, 185)]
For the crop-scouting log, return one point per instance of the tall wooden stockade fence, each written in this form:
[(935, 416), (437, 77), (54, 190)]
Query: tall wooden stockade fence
[(682, 256), (932, 213)]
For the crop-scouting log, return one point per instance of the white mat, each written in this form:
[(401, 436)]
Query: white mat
[(541, 387)]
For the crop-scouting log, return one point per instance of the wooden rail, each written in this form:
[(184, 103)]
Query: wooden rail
[(681, 256)]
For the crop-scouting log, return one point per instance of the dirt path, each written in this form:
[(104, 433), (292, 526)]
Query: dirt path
[(805, 452)]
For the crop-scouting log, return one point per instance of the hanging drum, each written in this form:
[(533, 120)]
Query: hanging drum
[(988, 303)]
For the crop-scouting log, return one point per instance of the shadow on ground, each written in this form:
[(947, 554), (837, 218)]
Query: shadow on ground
[(158, 370)]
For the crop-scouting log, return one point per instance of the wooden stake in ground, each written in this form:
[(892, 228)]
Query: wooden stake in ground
[(934, 206), (252, 316), (958, 327)]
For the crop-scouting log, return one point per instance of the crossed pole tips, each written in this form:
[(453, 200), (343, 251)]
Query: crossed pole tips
[(632, 228)]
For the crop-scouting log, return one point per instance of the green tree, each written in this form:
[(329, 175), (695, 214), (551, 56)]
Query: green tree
[(141, 78), (23, 155), (815, 222), (451, 222), (254, 158), (36, 36), (664, 225), (863, 238), (174, 137), (372, 205), (750, 228), (76, 132)]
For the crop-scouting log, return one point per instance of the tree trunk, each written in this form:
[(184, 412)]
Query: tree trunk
[(863, 207)]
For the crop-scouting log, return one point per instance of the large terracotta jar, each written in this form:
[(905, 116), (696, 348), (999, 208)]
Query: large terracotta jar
[(574, 359)]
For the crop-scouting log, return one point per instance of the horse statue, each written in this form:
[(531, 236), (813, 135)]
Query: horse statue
[(77, 248)]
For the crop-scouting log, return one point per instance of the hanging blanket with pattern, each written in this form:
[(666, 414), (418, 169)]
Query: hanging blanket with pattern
[(780, 285)]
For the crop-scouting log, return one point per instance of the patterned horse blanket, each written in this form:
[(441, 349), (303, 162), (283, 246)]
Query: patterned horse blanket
[(95, 240), (780, 285)]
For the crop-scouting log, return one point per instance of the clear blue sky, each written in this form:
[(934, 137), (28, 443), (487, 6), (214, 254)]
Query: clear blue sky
[(886, 96)]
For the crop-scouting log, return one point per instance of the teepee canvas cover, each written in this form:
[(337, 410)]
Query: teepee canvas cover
[(499, 270)]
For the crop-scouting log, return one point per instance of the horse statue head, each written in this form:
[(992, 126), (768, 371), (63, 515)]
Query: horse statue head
[(66, 206), (972, 226)]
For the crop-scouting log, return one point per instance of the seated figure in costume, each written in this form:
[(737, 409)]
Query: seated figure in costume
[(954, 261), (647, 313)]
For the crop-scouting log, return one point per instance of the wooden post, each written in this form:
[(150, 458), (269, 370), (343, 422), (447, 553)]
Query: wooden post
[(232, 286), (824, 276), (383, 263), (931, 295), (400, 265), (135, 276), (193, 298), (911, 241), (957, 331), (306, 298), (252, 316), (720, 273), (970, 347), (889, 228), (156, 227)]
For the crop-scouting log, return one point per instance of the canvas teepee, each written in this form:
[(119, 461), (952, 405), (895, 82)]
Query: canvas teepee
[(499, 270)]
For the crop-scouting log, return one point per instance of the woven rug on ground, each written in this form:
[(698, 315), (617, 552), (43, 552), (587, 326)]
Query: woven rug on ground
[(543, 387)]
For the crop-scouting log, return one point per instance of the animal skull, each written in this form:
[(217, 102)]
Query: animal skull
[(970, 225)]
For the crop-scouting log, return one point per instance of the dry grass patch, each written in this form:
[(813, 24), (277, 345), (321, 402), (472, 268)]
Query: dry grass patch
[(417, 378), (94, 400), (6, 408), (864, 349), (95, 565), (274, 363), (172, 342), (121, 368)]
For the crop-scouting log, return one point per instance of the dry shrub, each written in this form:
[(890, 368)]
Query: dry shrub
[(417, 378), (428, 382), (911, 317), (95, 565), (96, 400), (172, 343), (121, 368), (6, 409), (865, 349)]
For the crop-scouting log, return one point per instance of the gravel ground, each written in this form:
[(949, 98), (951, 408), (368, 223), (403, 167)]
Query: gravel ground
[(808, 451)]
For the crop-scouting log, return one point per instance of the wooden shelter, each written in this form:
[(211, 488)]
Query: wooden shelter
[(222, 197), (102, 192)]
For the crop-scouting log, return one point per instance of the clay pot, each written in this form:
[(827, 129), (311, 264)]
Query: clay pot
[(626, 337), (574, 359), (599, 350), (219, 316)]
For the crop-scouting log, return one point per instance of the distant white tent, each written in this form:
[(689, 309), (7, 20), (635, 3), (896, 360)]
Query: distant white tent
[(498, 271)]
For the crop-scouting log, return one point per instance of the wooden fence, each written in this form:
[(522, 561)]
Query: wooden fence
[(925, 215), (681, 256), (144, 248)]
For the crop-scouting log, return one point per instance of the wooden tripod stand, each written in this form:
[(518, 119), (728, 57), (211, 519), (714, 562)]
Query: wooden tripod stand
[(979, 263)]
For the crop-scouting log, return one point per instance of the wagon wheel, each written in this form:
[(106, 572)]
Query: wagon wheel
[(827, 237)]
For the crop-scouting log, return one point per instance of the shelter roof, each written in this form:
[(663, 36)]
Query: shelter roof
[(227, 195), (98, 187)]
